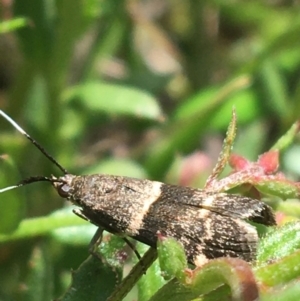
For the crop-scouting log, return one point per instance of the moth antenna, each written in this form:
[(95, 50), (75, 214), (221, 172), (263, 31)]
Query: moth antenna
[(8, 188), (37, 145), (29, 181)]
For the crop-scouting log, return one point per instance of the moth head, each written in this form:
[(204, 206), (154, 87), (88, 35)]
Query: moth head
[(63, 185)]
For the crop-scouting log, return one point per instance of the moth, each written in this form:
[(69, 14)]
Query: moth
[(208, 224)]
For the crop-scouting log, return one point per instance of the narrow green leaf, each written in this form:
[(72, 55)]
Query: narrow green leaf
[(280, 271), (286, 140), (289, 292), (39, 281), (279, 242), (12, 202), (187, 127), (134, 275), (224, 155), (275, 89), (11, 25), (33, 227), (151, 281), (75, 235), (211, 97)]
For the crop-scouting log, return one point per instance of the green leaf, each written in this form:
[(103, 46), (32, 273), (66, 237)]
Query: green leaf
[(208, 278), (174, 291), (118, 167), (115, 99), (172, 258), (280, 187), (93, 280), (98, 275)]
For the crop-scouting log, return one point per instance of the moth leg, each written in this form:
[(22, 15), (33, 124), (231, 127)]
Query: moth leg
[(79, 213), (134, 275), (96, 239), (95, 242), (133, 248)]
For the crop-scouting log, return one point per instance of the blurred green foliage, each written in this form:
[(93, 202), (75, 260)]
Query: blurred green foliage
[(135, 88)]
